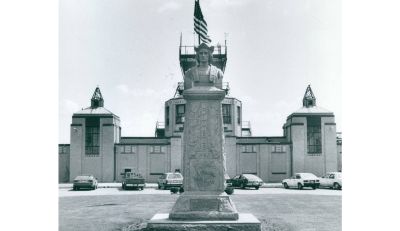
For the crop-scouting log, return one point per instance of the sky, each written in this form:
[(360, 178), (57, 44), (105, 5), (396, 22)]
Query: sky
[(129, 48)]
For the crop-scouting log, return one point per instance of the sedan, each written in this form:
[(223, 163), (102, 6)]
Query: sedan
[(246, 180), (331, 180), (300, 180), (86, 181)]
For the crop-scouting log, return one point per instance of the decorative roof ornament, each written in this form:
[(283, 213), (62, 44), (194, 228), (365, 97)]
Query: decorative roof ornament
[(309, 98), (97, 99)]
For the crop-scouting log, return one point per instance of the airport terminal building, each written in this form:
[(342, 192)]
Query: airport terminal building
[(309, 142)]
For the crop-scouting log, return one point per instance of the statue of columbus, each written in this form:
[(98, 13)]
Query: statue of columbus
[(204, 73)]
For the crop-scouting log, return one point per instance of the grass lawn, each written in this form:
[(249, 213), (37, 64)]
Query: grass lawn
[(130, 212)]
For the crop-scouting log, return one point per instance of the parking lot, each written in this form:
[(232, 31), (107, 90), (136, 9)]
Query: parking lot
[(68, 192)]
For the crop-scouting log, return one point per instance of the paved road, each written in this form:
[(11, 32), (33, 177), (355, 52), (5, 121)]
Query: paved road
[(68, 192)]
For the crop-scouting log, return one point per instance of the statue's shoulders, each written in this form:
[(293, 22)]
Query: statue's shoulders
[(216, 71), (190, 71)]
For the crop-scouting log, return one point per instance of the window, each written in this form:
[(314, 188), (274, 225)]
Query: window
[(226, 113), (167, 116), (248, 148), (64, 149), (158, 149), (314, 135), (180, 114), (278, 148), (238, 115), (127, 149), (92, 134)]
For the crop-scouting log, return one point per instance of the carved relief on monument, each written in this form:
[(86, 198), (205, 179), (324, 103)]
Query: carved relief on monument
[(204, 139), (215, 136), (206, 174)]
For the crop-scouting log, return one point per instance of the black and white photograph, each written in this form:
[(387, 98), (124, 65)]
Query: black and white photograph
[(147, 115), (200, 115)]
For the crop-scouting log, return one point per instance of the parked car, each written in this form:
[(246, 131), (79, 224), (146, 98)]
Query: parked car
[(228, 185), (246, 180), (300, 180), (169, 179), (132, 180), (229, 189), (331, 180), (86, 181)]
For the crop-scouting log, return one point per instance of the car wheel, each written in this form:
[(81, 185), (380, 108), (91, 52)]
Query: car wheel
[(159, 187), (336, 186), (257, 187), (141, 188), (314, 187), (242, 185), (285, 185), (299, 186), (162, 187), (74, 188), (123, 186)]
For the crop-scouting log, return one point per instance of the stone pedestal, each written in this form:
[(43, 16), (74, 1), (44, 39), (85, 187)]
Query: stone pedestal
[(246, 221), (203, 159), (204, 206)]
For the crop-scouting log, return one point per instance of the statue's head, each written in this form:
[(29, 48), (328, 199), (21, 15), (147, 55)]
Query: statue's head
[(204, 53)]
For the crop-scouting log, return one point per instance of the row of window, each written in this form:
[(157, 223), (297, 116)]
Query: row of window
[(180, 114), (127, 149), (248, 148), (278, 148), (63, 149), (252, 148)]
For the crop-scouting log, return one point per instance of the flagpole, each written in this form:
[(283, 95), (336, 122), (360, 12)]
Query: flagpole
[(198, 33)]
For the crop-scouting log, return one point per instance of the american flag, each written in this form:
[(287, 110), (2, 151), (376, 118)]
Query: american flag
[(200, 24)]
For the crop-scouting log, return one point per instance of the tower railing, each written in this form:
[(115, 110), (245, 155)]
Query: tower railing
[(246, 128), (181, 87), (160, 129), (187, 57)]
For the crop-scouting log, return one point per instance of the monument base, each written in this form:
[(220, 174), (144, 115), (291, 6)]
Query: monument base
[(204, 205), (246, 222)]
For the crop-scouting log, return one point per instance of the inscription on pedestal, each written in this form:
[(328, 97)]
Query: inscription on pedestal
[(204, 205)]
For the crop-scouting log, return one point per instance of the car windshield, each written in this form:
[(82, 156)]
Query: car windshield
[(251, 177), (308, 175), (175, 176)]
